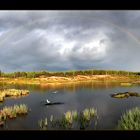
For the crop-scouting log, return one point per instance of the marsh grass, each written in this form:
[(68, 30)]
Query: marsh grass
[(12, 93), (10, 112), (21, 109), (125, 95), (1, 98), (43, 124), (86, 117), (71, 120), (130, 120), (74, 114), (126, 84), (68, 116), (15, 92), (51, 118)]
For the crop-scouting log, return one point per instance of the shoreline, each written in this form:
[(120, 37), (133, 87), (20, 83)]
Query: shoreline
[(57, 80)]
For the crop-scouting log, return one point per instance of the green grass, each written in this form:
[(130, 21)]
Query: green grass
[(130, 120), (70, 120), (86, 116)]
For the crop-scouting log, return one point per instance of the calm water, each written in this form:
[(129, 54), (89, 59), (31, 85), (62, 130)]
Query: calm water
[(77, 97)]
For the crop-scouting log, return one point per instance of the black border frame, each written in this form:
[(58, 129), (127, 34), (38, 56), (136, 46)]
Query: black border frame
[(69, 5)]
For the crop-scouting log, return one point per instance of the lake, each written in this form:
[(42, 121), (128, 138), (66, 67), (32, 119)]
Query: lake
[(75, 97)]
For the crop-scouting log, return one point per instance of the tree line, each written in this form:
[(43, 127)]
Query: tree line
[(67, 73)]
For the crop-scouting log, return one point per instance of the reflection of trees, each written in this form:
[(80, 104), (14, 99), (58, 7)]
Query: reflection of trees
[(72, 87)]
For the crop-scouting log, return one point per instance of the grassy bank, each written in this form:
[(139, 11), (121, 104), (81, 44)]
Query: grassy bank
[(56, 80), (68, 73), (45, 77)]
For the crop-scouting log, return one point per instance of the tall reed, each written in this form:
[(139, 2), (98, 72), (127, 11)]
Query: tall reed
[(9, 112), (71, 120), (130, 120)]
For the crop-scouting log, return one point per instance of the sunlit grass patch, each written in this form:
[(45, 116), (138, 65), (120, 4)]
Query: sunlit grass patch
[(68, 117), (9, 112), (125, 95), (70, 120), (15, 92), (130, 120), (1, 98), (86, 116), (126, 84), (12, 93)]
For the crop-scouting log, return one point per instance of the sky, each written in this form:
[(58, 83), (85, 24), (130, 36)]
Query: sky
[(69, 40)]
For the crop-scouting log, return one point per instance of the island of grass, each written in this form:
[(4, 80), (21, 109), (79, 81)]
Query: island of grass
[(12, 92), (10, 112), (125, 95), (126, 84), (126, 78)]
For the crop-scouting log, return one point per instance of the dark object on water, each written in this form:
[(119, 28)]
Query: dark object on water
[(52, 103), (55, 103), (125, 95)]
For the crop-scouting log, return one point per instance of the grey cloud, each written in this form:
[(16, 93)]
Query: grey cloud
[(62, 40)]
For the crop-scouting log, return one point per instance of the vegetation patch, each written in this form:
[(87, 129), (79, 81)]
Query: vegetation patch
[(126, 84), (67, 73), (12, 92), (125, 95), (130, 120), (10, 112), (71, 120), (48, 78)]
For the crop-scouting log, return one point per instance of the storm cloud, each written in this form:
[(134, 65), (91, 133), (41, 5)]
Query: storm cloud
[(66, 40)]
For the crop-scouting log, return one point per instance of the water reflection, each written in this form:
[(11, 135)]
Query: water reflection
[(69, 86), (75, 96)]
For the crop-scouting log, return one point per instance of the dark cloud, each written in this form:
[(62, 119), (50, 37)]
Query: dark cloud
[(63, 40)]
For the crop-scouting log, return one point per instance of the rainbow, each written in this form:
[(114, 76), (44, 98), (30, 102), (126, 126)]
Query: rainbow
[(9, 34)]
